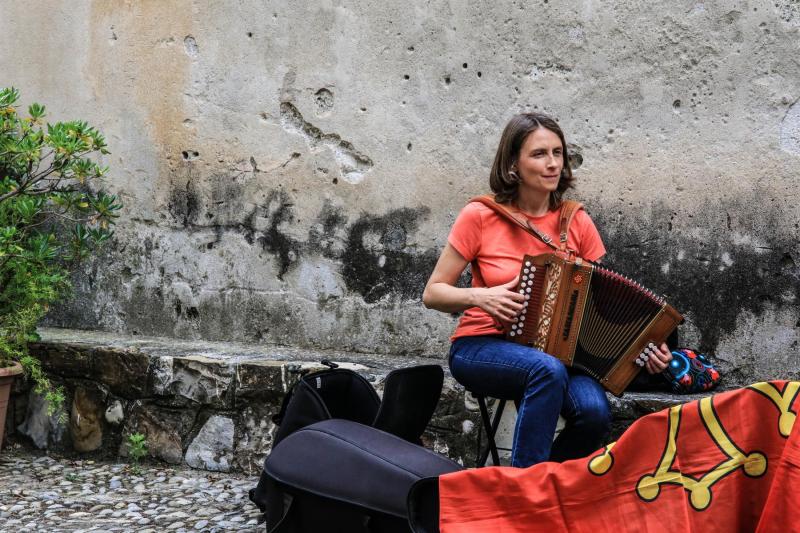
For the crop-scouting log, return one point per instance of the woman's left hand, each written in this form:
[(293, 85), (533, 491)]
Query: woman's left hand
[(659, 359)]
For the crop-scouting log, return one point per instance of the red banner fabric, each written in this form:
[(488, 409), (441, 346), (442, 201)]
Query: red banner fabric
[(727, 463)]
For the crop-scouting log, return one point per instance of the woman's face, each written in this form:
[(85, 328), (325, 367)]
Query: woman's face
[(541, 159)]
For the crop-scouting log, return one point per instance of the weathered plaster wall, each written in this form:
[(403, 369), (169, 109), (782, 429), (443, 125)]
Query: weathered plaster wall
[(290, 169)]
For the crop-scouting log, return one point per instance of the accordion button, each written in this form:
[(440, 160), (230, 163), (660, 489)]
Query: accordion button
[(527, 297), (512, 333), (533, 269), (528, 289), (522, 291), (527, 263)]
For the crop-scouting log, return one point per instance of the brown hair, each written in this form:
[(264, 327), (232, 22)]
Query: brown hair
[(506, 186)]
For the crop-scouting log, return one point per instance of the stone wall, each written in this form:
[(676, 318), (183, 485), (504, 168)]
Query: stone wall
[(290, 169), (210, 404)]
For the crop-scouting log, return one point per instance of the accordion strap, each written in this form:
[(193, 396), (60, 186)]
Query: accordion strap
[(568, 210)]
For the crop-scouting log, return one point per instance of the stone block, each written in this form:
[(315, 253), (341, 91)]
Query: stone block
[(260, 380), (455, 427), (254, 434), (123, 371), (194, 380), (85, 421), (164, 430), (64, 359), (43, 428), (212, 448)]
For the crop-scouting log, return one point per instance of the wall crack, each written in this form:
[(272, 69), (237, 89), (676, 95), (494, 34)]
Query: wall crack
[(352, 163)]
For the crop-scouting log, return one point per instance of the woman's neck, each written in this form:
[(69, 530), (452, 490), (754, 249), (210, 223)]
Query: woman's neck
[(534, 205)]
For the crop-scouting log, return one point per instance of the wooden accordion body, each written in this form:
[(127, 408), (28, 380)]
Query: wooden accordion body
[(589, 317)]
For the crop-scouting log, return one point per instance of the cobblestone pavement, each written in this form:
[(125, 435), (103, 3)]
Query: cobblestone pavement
[(41, 493)]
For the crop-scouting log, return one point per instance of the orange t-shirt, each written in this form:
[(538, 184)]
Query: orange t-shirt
[(498, 246)]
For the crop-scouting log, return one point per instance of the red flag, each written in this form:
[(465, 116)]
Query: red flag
[(730, 462)]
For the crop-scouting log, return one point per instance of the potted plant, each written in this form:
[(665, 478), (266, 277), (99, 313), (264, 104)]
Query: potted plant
[(53, 213)]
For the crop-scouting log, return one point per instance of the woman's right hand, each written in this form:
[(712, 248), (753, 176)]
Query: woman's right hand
[(502, 302)]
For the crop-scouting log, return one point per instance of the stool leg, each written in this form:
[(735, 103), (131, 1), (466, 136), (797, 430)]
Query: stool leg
[(490, 426)]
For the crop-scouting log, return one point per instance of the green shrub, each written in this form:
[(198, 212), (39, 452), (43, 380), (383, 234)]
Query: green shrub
[(53, 214)]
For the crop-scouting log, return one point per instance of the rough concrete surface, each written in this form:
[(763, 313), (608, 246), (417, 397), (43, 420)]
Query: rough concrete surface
[(290, 170)]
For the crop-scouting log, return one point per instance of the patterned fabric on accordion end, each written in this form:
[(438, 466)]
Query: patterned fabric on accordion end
[(690, 372), (728, 462)]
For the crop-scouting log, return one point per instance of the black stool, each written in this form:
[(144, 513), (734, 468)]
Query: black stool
[(490, 427)]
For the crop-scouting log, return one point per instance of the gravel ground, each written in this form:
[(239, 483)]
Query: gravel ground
[(43, 493)]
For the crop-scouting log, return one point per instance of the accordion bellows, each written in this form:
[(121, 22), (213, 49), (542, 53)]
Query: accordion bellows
[(590, 317)]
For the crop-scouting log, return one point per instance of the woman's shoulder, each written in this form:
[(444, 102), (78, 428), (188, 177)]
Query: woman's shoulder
[(475, 209), (582, 217)]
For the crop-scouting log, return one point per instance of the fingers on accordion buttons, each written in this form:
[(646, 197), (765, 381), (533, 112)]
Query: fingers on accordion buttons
[(639, 362), (651, 346)]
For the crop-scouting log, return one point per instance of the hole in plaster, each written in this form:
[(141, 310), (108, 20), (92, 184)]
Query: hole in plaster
[(190, 45), (447, 80), (410, 48), (363, 109), (335, 180), (408, 147), (189, 155), (575, 156), (406, 77), (249, 34), (324, 101), (479, 74), (464, 65), (192, 312)]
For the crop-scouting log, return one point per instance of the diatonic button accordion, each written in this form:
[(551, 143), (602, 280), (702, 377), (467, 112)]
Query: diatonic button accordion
[(589, 317)]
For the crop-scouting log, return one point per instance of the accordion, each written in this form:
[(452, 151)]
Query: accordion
[(589, 317)]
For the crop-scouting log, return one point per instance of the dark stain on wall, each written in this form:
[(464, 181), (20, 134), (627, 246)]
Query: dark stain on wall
[(277, 210), (378, 260), (184, 205), (718, 276)]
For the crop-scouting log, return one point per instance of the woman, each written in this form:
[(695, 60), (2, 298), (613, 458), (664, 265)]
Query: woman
[(530, 173)]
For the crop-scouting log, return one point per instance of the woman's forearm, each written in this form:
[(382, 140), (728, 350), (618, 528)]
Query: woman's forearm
[(449, 299)]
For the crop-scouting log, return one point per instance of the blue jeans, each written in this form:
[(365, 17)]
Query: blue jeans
[(493, 366)]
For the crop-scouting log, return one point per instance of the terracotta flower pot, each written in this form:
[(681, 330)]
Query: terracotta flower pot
[(7, 375)]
